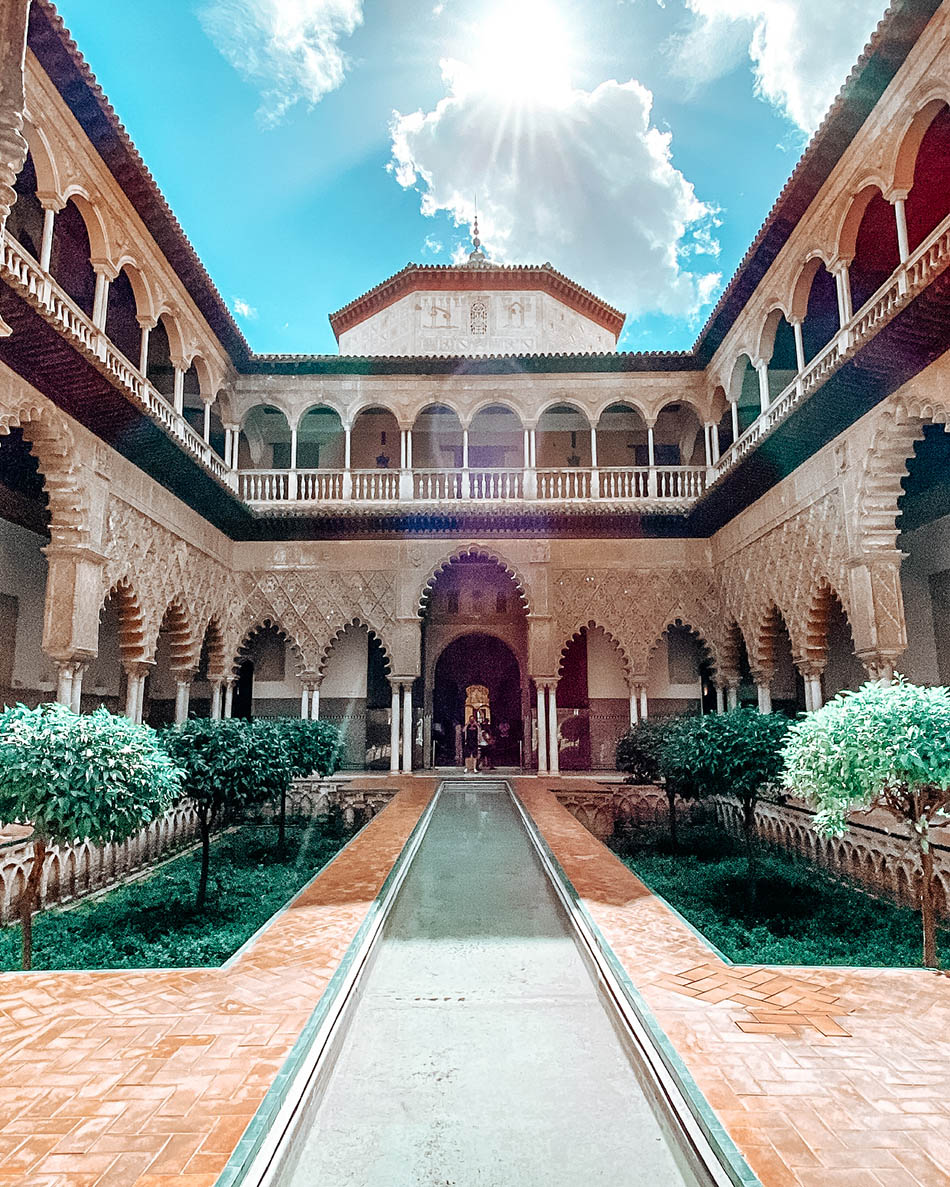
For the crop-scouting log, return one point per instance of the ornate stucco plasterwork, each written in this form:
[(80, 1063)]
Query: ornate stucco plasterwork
[(636, 606), (785, 569), (161, 568), (313, 606)]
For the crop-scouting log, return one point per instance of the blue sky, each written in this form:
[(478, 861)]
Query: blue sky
[(635, 145)]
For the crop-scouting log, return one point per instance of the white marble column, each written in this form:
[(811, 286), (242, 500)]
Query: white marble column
[(394, 730), (407, 727), (75, 691), (634, 715), (182, 697), (732, 696), (644, 703), (228, 698), (304, 703), (764, 690), (762, 369), (900, 217), (554, 763), (799, 346), (46, 246), (100, 302), (64, 684), (542, 731), (720, 699), (735, 420), (315, 704), (216, 700)]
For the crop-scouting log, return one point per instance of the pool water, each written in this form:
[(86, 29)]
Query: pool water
[(480, 1052)]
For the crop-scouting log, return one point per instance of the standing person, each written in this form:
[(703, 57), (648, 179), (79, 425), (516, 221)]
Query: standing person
[(484, 743), (470, 747)]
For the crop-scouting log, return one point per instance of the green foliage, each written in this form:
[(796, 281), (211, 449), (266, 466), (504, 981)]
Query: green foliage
[(879, 744), (802, 915), (313, 747), (737, 753), (153, 923), (72, 776), (227, 763), (638, 750)]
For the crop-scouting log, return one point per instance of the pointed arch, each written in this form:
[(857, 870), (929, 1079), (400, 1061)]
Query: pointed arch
[(44, 163), (885, 466), (99, 248), (905, 163), (359, 623), (817, 624), (211, 640), (267, 622), (141, 289), (176, 625), (51, 440), (588, 627), (132, 645), (707, 651), (476, 552)]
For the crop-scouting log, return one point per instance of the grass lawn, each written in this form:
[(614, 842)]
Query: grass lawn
[(800, 915), (153, 923)]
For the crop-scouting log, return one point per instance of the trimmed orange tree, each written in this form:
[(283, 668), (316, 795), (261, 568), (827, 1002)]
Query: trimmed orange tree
[(73, 777), (884, 746)]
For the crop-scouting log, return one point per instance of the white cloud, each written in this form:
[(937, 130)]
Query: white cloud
[(583, 181), (433, 245), (243, 309), (801, 50), (289, 48)]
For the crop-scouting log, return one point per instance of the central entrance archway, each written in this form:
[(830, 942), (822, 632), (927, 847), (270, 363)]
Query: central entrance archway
[(477, 674), (475, 650)]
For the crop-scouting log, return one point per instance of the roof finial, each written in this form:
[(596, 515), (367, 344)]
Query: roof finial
[(476, 254)]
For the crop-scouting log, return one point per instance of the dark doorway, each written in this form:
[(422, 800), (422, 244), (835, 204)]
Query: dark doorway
[(477, 660)]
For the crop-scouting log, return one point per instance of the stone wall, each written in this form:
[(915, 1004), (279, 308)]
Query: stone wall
[(73, 871)]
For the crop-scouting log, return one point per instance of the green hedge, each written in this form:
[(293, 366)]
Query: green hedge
[(800, 914), (153, 923)]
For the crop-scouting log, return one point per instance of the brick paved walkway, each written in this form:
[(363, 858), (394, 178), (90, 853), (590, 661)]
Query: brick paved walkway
[(824, 1077), (149, 1078)]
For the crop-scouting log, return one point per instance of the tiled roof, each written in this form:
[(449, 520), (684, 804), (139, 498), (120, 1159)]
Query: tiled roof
[(493, 277), (58, 54), (902, 24)]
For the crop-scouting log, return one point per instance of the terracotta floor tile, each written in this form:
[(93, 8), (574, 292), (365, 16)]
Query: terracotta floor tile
[(824, 1077)]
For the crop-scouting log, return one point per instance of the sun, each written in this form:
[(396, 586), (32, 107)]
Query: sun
[(522, 52)]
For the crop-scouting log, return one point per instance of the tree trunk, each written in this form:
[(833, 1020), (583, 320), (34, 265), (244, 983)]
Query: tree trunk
[(748, 828), (931, 960), (28, 901), (671, 801), (204, 827)]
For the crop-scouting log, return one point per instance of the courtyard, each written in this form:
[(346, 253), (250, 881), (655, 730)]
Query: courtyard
[(817, 1075)]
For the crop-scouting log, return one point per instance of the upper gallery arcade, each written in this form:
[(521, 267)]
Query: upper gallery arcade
[(187, 526)]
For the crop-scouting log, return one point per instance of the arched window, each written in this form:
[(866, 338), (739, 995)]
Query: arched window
[(479, 318)]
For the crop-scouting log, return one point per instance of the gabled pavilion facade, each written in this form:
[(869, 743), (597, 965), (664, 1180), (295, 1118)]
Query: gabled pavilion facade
[(479, 492)]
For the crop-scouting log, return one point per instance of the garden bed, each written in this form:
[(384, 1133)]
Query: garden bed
[(800, 915), (152, 922)]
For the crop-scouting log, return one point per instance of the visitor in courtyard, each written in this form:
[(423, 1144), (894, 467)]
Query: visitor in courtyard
[(471, 747)]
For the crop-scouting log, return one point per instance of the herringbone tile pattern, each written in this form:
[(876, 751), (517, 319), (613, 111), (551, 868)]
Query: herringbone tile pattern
[(824, 1077)]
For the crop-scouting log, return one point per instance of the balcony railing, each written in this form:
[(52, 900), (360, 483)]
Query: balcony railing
[(676, 487), (901, 287), (18, 267), (669, 487)]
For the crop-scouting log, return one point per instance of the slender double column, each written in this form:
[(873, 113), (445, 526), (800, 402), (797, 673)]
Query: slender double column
[(400, 726), (69, 674), (135, 690), (548, 752)]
